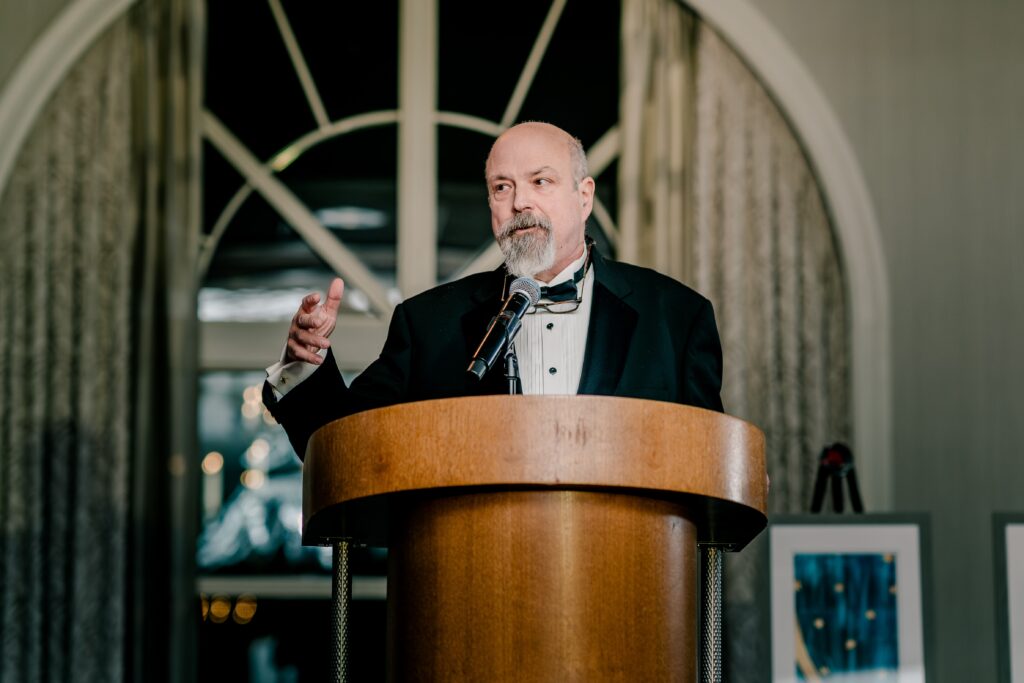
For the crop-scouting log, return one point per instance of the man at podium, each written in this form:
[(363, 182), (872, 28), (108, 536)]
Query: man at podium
[(600, 327)]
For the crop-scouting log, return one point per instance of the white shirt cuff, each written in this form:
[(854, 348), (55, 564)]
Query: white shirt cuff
[(283, 377)]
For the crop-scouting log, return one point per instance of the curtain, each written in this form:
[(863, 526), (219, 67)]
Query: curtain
[(96, 365), (715, 190), (656, 129), (65, 385), (765, 254)]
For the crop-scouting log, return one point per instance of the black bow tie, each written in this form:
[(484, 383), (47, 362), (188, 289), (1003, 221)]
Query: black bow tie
[(564, 291)]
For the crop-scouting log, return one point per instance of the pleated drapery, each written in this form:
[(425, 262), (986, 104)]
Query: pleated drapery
[(715, 190), (765, 253), (766, 256), (656, 133), (97, 368), (67, 241)]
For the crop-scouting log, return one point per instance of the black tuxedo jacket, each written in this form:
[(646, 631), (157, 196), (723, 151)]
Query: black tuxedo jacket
[(649, 337)]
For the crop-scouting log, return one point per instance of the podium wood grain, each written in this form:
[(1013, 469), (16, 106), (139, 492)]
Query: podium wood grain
[(538, 538)]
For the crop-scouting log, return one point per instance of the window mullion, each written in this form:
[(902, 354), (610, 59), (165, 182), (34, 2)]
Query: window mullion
[(417, 147)]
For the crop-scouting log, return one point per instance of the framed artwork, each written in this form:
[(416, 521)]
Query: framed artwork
[(1008, 542), (849, 598)]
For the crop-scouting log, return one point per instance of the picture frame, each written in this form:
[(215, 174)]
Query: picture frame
[(1008, 546), (848, 598)]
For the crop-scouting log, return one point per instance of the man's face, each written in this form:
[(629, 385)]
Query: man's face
[(538, 213)]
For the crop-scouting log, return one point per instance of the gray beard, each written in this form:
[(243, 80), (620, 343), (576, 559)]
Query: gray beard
[(527, 254)]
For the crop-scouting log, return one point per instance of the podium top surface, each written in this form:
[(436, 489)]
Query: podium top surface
[(358, 467)]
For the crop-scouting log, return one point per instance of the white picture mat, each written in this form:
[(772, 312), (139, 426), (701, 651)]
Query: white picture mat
[(902, 540), (1015, 599)]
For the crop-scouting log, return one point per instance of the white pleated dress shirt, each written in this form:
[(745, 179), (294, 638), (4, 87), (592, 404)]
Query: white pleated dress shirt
[(550, 346)]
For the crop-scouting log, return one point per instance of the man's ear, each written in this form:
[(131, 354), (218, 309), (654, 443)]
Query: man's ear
[(586, 190)]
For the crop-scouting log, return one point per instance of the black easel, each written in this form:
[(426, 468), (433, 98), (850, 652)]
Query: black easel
[(835, 464)]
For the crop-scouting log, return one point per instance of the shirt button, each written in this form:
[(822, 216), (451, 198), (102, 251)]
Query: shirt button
[(551, 326), (552, 370)]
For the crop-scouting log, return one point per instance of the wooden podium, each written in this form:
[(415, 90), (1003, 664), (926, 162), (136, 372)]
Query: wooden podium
[(538, 538)]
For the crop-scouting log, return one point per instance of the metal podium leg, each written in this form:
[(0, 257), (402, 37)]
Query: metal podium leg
[(711, 593), (341, 595)]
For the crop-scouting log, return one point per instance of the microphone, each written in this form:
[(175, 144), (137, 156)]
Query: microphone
[(522, 293)]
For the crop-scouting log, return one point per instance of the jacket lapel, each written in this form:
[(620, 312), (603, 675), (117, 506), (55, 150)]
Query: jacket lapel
[(612, 322)]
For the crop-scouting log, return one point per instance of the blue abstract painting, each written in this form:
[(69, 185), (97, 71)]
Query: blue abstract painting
[(846, 617)]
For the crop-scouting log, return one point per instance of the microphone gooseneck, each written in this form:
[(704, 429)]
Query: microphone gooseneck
[(522, 293)]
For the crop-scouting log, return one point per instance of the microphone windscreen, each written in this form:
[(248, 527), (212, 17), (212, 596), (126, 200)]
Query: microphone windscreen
[(527, 286)]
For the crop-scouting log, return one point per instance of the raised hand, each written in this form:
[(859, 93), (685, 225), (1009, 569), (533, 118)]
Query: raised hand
[(312, 325)]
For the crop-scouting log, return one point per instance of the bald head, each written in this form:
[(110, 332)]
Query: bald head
[(555, 136), (540, 198)]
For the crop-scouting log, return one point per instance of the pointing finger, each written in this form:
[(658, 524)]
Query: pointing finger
[(334, 295)]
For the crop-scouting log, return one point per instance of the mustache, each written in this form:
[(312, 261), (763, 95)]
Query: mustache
[(521, 221)]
